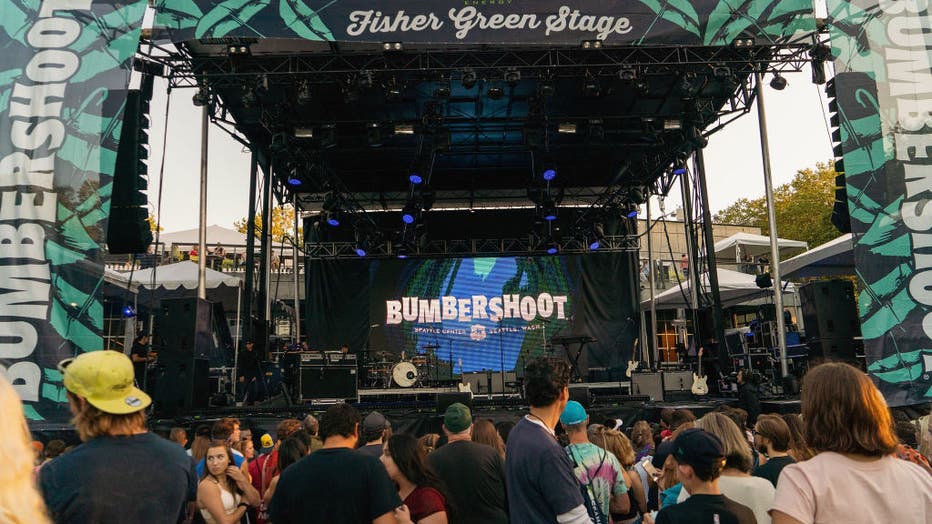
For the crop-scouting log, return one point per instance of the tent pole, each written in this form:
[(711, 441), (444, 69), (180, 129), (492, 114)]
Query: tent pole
[(202, 219), (294, 267), (772, 226)]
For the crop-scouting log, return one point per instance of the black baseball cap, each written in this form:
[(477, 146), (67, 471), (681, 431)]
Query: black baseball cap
[(696, 447)]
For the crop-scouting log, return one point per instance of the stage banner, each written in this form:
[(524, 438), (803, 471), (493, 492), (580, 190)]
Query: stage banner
[(884, 85), (472, 314), (64, 70), (546, 22)]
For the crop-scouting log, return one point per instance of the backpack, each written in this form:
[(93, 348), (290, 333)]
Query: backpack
[(592, 505)]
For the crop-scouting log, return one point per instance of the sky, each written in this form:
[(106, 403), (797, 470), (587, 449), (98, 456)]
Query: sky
[(796, 124)]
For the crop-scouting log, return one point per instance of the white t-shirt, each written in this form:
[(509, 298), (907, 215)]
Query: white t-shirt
[(754, 492), (831, 487)]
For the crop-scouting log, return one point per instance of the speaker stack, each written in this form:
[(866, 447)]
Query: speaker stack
[(830, 314), (182, 338)]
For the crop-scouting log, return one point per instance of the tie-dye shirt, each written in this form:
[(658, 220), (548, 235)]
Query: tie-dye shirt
[(592, 463)]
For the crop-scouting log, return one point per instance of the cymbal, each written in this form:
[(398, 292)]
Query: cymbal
[(382, 354)]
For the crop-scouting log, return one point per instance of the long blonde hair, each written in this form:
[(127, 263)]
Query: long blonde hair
[(20, 502), (736, 446)]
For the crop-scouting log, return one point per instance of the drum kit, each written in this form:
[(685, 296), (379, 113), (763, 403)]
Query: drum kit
[(387, 369)]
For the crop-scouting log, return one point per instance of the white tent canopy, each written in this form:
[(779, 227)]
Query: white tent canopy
[(733, 247), (835, 257), (182, 274), (734, 288), (215, 235)]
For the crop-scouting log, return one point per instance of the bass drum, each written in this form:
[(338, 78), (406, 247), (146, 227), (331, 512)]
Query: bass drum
[(404, 374)]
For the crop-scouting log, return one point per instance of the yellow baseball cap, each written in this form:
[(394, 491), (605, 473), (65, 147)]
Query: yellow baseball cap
[(266, 441), (105, 379)]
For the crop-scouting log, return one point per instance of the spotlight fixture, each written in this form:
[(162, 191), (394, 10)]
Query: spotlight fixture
[(238, 50), (415, 178), (549, 174), (551, 246), (721, 71), (293, 180), (512, 77), (778, 82), (820, 53), (409, 213), (546, 87), (496, 93), (202, 97), (686, 86), (679, 170), (591, 44), (469, 79), (360, 248), (595, 237), (404, 129), (549, 210), (628, 74), (128, 311), (743, 41), (566, 127), (392, 90), (672, 124), (403, 249), (632, 211), (303, 94), (334, 217), (373, 134), (303, 132), (392, 46)]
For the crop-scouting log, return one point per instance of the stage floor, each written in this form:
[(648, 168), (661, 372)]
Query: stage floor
[(622, 388)]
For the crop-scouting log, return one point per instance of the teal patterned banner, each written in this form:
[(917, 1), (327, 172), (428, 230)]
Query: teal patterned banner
[(64, 71), (636, 22), (884, 85)]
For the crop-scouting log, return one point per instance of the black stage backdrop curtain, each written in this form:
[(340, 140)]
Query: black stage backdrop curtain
[(476, 313)]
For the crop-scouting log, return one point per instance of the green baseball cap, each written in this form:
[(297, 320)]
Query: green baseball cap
[(457, 418)]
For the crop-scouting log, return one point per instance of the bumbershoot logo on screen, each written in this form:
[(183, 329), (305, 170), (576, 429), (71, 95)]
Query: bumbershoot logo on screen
[(476, 307)]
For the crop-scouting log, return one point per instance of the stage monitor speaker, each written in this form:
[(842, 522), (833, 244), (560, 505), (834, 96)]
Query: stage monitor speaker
[(580, 393), (445, 399), (648, 385), (182, 383), (183, 328), (478, 381), (328, 382), (829, 310), (677, 381)]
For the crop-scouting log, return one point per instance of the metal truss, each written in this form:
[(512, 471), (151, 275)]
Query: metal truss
[(471, 248), (192, 65), (476, 200)]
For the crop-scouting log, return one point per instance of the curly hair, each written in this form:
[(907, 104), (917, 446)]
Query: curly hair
[(544, 380)]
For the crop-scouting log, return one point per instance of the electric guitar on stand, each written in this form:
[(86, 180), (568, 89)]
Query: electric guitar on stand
[(700, 381), (463, 387), (634, 362)]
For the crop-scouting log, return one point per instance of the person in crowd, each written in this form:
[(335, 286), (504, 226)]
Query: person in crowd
[(680, 417), (246, 448), (473, 475), (227, 430), (666, 421), (245, 433), (335, 484), (736, 481), (292, 449), (267, 444), (178, 436), (55, 448), (141, 355), (668, 486), (906, 449), (375, 431), (700, 457), (684, 265), (38, 452), (854, 476), (265, 468), (248, 374), (311, 425), (643, 440), (799, 449), (617, 443), (224, 494), (20, 501), (541, 485), (429, 442), (504, 428), (405, 462), (772, 438), (484, 432), (598, 470), (154, 480), (201, 442)]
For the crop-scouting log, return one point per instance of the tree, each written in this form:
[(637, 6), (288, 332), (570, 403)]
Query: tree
[(803, 207), (282, 224), (154, 223)]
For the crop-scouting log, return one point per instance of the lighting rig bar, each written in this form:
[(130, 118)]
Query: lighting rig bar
[(478, 200), (469, 248)]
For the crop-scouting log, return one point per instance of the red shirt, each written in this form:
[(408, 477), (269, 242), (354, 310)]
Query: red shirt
[(424, 502)]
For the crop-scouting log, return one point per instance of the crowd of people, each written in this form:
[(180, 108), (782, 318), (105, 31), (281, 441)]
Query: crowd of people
[(846, 458)]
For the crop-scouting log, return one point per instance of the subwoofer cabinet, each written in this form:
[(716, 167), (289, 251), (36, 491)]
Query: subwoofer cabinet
[(328, 382)]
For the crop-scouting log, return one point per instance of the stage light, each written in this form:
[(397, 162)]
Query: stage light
[(642, 86), (496, 93), (721, 71), (591, 44), (128, 311), (549, 210), (551, 246), (303, 132), (360, 251), (303, 94), (550, 174), (334, 218), (373, 134), (595, 245), (238, 50), (408, 214), (512, 77), (679, 170), (546, 87), (672, 124), (632, 212), (202, 97), (404, 129), (393, 90), (743, 42), (415, 178), (469, 79), (778, 82), (627, 74), (294, 181), (442, 91), (566, 127), (392, 46), (596, 236)]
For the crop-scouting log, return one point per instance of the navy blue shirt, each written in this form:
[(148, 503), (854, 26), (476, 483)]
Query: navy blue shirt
[(120, 480), (539, 476)]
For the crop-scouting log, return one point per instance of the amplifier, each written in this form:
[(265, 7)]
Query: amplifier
[(335, 357), (647, 384), (327, 382), (314, 358), (677, 380)]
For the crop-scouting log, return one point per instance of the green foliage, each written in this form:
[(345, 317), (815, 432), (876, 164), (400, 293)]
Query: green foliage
[(282, 224), (803, 207)]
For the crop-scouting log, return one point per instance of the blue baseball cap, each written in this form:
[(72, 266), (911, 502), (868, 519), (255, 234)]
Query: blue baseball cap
[(573, 413)]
